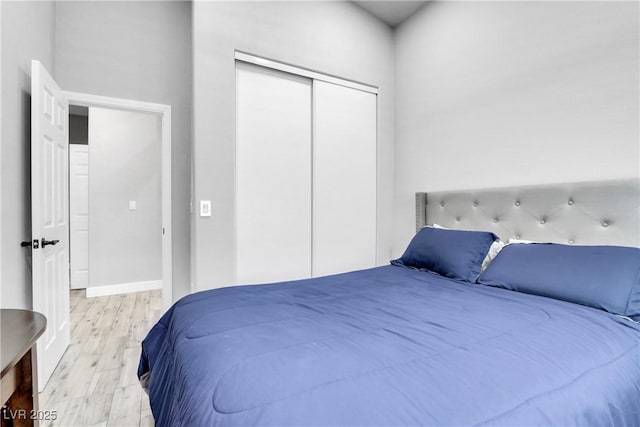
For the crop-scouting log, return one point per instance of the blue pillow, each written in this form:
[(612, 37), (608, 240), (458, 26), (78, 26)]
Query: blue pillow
[(457, 254), (605, 277)]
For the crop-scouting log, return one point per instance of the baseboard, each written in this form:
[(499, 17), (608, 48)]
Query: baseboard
[(123, 288)]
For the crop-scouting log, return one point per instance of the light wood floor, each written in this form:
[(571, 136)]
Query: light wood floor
[(95, 383)]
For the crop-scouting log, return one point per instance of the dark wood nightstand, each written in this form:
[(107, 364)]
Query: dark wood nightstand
[(19, 330)]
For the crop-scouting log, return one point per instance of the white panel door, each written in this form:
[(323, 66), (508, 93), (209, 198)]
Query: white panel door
[(79, 215), (273, 175), (344, 179), (49, 217)]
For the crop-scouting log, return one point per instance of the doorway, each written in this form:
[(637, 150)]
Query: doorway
[(102, 109), (49, 205)]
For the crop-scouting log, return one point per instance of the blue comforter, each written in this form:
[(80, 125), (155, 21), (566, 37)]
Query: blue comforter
[(389, 346)]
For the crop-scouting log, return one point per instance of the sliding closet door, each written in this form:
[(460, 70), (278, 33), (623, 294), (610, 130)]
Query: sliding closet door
[(344, 179), (273, 175)]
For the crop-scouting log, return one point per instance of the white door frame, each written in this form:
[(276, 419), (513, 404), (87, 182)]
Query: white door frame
[(88, 100)]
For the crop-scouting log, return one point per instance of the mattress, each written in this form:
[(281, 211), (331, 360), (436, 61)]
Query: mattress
[(389, 346)]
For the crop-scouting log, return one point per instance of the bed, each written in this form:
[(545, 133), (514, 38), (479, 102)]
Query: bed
[(403, 344)]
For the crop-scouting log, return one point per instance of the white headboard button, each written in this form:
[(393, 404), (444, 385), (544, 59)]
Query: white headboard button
[(543, 221), (495, 220), (517, 202), (605, 224), (442, 204), (458, 218), (517, 236), (570, 202), (475, 204), (571, 242)]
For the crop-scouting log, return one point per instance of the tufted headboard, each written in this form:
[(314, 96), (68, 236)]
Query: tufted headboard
[(588, 213)]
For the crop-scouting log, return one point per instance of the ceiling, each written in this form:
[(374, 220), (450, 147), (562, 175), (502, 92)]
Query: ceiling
[(393, 13)]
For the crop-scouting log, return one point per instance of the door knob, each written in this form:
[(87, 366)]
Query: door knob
[(29, 244), (44, 242)]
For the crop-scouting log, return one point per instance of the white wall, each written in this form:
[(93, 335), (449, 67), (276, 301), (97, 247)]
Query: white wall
[(507, 93), (332, 37), (27, 32), (125, 246), (137, 50)]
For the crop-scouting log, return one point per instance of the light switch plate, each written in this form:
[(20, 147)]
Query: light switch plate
[(132, 205), (205, 207)]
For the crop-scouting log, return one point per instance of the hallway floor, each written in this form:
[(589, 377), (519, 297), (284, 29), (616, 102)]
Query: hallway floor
[(95, 383)]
